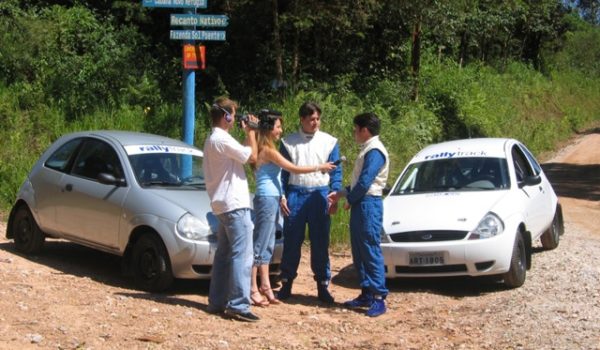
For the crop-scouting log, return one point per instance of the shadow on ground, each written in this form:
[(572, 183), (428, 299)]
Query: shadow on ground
[(574, 181), (448, 286), (76, 260)]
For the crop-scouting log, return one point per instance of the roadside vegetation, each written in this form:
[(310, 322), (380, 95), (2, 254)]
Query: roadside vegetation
[(432, 72)]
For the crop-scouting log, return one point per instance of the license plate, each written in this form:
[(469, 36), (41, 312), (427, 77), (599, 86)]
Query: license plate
[(426, 259)]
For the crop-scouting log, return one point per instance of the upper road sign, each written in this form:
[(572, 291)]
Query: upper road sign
[(175, 3), (199, 20)]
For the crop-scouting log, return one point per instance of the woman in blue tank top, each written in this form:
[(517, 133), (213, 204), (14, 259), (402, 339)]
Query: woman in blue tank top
[(266, 204)]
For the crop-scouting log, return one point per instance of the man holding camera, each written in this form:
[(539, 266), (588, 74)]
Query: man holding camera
[(305, 201), (227, 187)]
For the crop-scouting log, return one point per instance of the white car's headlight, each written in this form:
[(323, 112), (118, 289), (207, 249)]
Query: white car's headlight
[(490, 226), (190, 227)]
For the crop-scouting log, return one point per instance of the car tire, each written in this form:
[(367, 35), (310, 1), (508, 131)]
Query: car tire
[(150, 264), (551, 237), (515, 277), (29, 238)]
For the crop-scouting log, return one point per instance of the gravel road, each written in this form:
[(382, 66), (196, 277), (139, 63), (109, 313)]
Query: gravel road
[(71, 297)]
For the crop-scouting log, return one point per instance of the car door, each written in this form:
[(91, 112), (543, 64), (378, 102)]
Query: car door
[(87, 209), (546, 199), (534, 194), (47, 182)]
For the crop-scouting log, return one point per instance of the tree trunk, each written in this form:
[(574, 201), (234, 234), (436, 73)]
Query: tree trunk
[(277, 45), (295, 49), (296, 57), (416, 59), (463, 49)]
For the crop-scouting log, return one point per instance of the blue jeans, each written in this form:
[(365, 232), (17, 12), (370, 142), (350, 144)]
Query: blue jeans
[(366, 219), (266, 214), (232, 265), (307, 206)]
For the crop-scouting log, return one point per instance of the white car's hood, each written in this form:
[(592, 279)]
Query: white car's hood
[(438, 211)]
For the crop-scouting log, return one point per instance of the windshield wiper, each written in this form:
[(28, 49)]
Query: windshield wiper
[(161, 183), (477, 188)]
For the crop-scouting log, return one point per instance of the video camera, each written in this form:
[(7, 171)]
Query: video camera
[(266, 119)]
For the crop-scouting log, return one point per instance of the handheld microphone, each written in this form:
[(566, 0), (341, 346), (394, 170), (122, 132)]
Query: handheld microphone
[(342, 159)]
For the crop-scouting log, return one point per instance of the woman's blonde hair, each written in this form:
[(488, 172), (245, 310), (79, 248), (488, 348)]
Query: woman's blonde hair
[(264, 140)]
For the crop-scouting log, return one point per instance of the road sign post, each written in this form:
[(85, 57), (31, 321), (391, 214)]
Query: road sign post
[(190, 20)]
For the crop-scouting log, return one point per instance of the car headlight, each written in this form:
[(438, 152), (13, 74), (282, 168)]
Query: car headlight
[(190, 227), (490, 226)]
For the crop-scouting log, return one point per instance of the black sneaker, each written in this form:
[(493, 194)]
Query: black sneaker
[(323, 293), (241, 316), (286, 289)]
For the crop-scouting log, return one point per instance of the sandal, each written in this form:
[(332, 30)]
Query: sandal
[(258, 300), (268, 293)]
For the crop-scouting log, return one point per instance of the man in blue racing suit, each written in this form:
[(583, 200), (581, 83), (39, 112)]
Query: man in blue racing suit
[(305, 201), (369, 178)]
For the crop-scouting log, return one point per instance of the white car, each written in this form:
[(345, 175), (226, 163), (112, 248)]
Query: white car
[(469, 207), (139, 196)]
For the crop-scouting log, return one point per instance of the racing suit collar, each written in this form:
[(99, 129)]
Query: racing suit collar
[(364, 144), (306, 135)]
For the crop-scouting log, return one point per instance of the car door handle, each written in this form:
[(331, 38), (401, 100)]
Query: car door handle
[(68, 188)]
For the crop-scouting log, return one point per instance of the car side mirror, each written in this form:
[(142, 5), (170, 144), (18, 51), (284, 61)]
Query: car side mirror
[(530, 181), (110, 179), (386, 190)]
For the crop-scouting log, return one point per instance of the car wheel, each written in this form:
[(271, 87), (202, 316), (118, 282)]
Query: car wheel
[(150, 264), (551, 237), (515, 277), (29, 238)]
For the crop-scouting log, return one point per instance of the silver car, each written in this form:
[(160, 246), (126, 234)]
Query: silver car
[(139, 196)]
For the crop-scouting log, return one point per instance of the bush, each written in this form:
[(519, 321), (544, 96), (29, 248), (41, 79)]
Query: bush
[(26, 133), (74, 60)]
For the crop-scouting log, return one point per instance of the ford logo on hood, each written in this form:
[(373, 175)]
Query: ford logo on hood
[(426, 236)]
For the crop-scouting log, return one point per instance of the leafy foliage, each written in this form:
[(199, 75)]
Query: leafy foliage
[(73, 59), (518, 68)]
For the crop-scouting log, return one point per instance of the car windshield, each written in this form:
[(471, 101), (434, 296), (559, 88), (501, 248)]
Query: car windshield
[(454, 174), (174, 170)]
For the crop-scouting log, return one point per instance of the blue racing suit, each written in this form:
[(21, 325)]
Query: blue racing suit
[(366, 220), (306, 196)]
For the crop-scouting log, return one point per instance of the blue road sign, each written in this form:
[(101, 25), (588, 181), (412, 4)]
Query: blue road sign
[(175, 3), (199, 20), (202, 35)]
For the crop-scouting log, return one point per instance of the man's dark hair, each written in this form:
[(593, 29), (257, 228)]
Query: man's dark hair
[(309, 108), (370, 121)]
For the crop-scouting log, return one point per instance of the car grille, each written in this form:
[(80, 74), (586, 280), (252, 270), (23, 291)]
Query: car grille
[(428, 236), (432, 269)]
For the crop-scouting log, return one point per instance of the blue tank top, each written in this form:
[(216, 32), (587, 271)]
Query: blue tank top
[(268, 180)]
